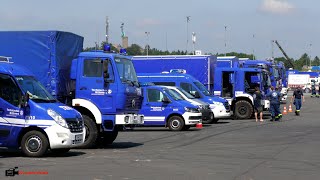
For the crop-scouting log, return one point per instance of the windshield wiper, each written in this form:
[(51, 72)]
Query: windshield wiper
[(43, 100)]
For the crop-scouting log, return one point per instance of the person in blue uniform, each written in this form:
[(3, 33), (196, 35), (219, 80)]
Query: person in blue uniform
[(298, 96), (274, 97)]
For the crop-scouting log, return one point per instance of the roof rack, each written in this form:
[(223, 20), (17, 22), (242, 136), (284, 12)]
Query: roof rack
[(5, 59)]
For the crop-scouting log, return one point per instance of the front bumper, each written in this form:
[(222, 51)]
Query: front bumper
[(60, 137), (220, 112), (192, 118), (129, 119), (207, 114)]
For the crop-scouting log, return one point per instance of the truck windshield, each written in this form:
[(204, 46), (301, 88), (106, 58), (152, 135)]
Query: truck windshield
[(189, 96), (266, 79), (126, 70), (175, 95), (35, 89), (275, 72), (202, 88)]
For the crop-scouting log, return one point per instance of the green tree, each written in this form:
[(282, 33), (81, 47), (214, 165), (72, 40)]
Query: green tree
[(316, 61), (134, 50), (302, 62)]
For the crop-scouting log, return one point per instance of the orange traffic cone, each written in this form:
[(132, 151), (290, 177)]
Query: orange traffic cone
[(290, 108), (285, 110), (199, 126)]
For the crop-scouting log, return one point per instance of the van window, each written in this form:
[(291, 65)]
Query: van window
[(9, 91), (165, 83), (189, 88), (155, 95)]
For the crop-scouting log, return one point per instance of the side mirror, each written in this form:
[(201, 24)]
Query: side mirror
[(166, 100), (197, 94)]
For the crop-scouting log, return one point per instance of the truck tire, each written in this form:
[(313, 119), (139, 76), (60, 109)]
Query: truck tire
[(34, 144), (175, 123), (243, 109), (60, 151), (91, 133), (109, 137)]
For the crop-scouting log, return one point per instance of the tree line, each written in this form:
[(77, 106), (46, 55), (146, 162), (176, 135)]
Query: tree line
[(134, 49)]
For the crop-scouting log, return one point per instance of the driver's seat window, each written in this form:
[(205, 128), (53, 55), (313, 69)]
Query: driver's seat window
[(155, 95), (9, 91)]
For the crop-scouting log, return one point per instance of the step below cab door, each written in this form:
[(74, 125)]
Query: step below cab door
[(11, 115)]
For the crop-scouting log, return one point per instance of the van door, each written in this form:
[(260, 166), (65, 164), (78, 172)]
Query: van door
[(11, 115), (153, 108)]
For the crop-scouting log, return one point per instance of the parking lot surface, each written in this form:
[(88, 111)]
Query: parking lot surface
[(230, 149)]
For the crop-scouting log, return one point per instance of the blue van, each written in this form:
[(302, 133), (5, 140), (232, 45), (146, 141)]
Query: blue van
[(31, 118), (164, 107), (219, 106)]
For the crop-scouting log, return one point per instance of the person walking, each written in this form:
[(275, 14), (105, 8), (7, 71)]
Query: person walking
[(297, 96), (274, 97), (257, 97)]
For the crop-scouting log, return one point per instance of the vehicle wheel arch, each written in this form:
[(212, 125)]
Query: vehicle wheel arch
[(31, 128), (171, 115)]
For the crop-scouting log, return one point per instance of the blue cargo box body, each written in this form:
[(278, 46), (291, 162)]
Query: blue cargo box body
[(197, 66), (48, 54)]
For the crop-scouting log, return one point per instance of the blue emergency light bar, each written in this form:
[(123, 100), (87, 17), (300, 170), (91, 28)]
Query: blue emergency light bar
[(123, 51), (106, 48)]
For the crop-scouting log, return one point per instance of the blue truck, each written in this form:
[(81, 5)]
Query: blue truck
[(101, 85), (31, 118), (219, 106), (165, 107), (227, 82)]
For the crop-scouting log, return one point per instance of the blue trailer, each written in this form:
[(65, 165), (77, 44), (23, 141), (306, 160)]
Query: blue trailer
[(101, 85), (207, 70), (31, 118)]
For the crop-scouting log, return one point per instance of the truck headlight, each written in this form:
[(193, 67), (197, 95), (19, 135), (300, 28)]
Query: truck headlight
[(191, 109), (57, 118)]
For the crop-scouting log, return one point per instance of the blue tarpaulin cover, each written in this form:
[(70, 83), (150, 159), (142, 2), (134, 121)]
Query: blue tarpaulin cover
[(48, 54)]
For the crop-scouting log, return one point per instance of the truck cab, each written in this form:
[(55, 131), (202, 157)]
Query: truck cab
[(31, 118), (237, 86), (219, 106), (165, 107), (106, 92)]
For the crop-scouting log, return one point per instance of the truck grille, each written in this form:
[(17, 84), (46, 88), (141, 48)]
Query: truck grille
[(75, 125), (227, 106), (133, 102)]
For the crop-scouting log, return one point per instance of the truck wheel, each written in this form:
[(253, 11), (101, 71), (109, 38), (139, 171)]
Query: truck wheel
[(34, 144), (243, 110), (176, 123), (60, 151), (109, 137), (91, 133)]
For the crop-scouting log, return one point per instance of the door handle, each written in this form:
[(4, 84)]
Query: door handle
[(83, 88)]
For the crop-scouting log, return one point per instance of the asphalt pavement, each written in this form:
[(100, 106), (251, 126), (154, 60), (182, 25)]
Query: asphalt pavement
[(230, 149)]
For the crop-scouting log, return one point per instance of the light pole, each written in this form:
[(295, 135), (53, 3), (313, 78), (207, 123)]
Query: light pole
[(188, 19), (310, 55), (193, 41), (253, 47), (147, 46), (225, 40)]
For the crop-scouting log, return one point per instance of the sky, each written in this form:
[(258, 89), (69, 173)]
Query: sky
[(246, 26)]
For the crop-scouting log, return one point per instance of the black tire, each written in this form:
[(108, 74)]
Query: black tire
[(243, 109), (175, 123), (34, 144), (91, 133), (109, 137), (60, 151)]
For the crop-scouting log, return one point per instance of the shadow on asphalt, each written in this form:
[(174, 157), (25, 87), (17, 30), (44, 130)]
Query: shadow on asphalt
[(160, 129), (8, 153), (119, 145)]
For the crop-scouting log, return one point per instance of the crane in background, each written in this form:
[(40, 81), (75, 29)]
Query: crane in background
[(285, 54)]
